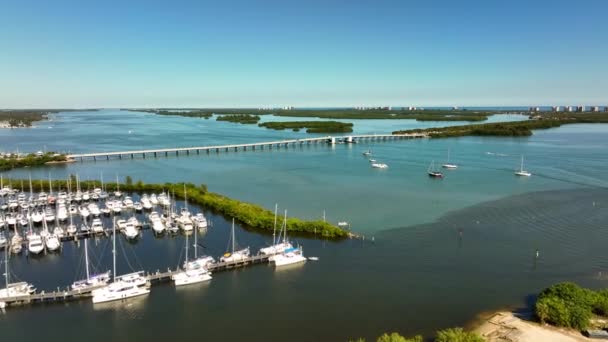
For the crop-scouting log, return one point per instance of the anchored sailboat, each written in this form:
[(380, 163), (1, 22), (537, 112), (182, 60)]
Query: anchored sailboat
[(195, 271), (433, 172), (521, 171), (449, 165), (92, 281), (235, 255)]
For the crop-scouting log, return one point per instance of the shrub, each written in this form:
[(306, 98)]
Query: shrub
[(457, 335)]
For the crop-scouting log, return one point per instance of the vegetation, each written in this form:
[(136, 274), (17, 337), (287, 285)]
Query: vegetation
[(392, 114), (30, 160), (311, 126), (511, 129), (22, 118), (447, 335), (569, 305), (251, 215), (239, 118)]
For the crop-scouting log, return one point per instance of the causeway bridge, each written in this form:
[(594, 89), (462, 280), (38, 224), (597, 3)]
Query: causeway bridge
[(329, 140)]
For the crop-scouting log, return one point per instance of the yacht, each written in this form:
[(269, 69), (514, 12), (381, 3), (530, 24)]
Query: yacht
[(94, 209), (37, 216), (52, 242), (432, 172), (448, 165), (49, 216), (277, 246), (138, 206), (16, 244), (35, 245), (145, 202), (185, 223), (59, 232), (235, 255), (157, 224), (123, 287), (84, 212), (128, 202), (521, 171), (130, 231), (135, 222), (377, 165), (91, 281), (289, 257), (153, 199), (3, 240), (200, 221), (62, 213), (97, 226), (367, 153), (193, 272)]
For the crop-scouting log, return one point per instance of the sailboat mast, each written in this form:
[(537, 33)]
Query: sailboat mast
[(285, 227), (86, 257), (6, 274), (114, 248), (233, 235), (521, 166), (195, 243), (187, 247), (50, 185), (274, 230)]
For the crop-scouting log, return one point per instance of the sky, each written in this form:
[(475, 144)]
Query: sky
[(306, 53)]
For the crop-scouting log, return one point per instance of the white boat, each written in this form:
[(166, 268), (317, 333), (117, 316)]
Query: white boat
[(153, 199), (14, 289), (289, 257), (377, 165), (135, 222), (94, 209), (164, 200), (91, 281), (37, 216), (128, 202), (235, 255), (84, 212), (185, 223), (146, 203), (138, 206), (367, 153), (123, 287), (521, 171), (52, 242), (157, 224), (16, 244), (200, 221), (278, 245), (35, 245), (49, 216), (117, 193), (97, 226), (117, 207), (448, 165), (130, 231), (193, 272), (59, 232), (62, 213)]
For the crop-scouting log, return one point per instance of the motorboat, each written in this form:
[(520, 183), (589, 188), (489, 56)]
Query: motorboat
[(289, 257), (97, 226), (377, 165), (35, 245)]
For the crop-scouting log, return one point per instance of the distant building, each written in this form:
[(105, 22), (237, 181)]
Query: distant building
[(595, 109), (288, 108), (556, 108), (455, 108), (606, 109), (580, 109), (569, 109), (534, 109), (410, 108)]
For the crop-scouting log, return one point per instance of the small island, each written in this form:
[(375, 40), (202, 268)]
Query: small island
[(311, 126), (511, 129), (10, 161), (22, 118), (178, 112), (246, 119)]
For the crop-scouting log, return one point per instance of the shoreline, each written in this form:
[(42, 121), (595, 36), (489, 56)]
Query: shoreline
[(504, 325)]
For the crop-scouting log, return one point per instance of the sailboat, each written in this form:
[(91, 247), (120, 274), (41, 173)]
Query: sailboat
[(288, 255), (194, 272), (521, 171), (71, 230), (117, 193), (123, 287), (277, 246), (14, 289), (449, 165), (368, 152), (432, 172), (51, 240), (235, 255), (92, 281)]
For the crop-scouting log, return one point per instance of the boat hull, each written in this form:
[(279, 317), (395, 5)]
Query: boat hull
[(104, 297)]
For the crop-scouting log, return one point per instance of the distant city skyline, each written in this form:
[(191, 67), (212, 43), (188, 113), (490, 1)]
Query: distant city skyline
[(207, 54)]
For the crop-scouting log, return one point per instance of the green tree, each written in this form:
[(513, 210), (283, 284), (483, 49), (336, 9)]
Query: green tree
[(394, 337), (129, 181), (457, 335)]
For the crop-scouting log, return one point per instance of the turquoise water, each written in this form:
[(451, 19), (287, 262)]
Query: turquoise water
[(444, 249)]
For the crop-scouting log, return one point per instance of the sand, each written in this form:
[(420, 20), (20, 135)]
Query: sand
[(504, 326)]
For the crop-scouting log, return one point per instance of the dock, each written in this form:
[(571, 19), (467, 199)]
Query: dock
[(269, 145), (67, 295)]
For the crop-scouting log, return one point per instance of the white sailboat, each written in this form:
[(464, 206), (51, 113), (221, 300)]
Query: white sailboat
[(277, 246), (235, 255), (51, 240), (14, 289), (157, 224), (193, 272), (288, 255), (448, 165), (91, 281), (521, 171), (123, 287)]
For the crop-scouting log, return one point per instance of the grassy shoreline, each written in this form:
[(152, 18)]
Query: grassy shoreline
[(31, 160), (246, 119), (251, 215), (311, 126)]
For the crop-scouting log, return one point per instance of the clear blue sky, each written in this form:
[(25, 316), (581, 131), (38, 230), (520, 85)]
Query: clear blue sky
[(303, 53)]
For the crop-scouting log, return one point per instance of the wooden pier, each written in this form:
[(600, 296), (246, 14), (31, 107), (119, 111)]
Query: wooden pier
[(329, 140), (67, 295)]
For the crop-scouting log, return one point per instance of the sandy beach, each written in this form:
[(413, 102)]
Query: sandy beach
[(505, 326)]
